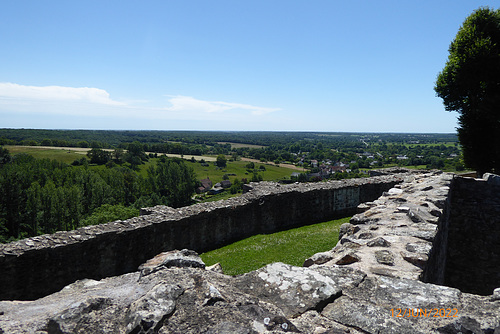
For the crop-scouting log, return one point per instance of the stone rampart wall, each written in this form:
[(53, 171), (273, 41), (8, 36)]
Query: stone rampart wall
[(438, 228), (37, 266), (473, 257)]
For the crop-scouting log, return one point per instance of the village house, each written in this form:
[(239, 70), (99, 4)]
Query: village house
[(206, 185)]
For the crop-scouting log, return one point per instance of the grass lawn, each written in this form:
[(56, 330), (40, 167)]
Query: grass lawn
[(291, 247)]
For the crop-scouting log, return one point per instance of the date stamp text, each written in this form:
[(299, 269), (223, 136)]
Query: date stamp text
[(424, 313)]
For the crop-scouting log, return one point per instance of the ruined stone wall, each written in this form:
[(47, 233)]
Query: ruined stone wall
[(473, 257), (37, 266), (439, 228)]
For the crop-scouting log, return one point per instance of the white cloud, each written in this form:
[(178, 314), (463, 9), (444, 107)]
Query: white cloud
[(190, 104), (70, 107), (56, 93)]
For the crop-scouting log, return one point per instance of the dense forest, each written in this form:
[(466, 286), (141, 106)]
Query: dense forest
[(43, 196), (40, 196)]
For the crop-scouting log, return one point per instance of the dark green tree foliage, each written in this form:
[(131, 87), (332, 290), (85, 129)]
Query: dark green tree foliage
[(173, 181), (221, 161), (108, 213), (40, 196), (98, 156), (470, 85), (4, 155)]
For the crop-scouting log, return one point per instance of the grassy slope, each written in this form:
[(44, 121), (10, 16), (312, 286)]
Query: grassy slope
[(291, 246)]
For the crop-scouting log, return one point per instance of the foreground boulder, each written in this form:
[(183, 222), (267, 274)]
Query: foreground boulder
[(277, 298)]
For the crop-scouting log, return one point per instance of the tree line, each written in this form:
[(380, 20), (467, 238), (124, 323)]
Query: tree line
[(39, 196)]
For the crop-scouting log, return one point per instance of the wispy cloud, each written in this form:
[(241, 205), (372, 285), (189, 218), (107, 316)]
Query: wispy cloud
[(56, 93), (75, 107), (190, 104)]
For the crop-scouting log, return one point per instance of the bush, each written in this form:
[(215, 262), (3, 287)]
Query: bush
[(107, 213)]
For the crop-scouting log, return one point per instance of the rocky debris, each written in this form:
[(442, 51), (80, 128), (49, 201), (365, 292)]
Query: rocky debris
[(496, 294), (148, 313), (385, 257), (181, 259), (318, 258), (378, 242), (216, 267), (347, 229)]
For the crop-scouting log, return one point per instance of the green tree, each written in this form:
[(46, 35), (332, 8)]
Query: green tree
[(470, 85), (118, 155), (98, 156), (173, 181), (4, 155), (107, 213), (221, 161)]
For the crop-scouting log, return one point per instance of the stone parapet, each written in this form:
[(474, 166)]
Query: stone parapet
[(396, 234), (37, 266)]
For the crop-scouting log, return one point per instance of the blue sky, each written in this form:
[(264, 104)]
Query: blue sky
[(279, 65)]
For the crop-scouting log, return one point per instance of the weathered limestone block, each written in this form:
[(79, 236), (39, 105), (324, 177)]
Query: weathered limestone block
[(385, 257), (181, 259), (378, 303), (318, 258), (148, 313), (296, 290), (278, 298)]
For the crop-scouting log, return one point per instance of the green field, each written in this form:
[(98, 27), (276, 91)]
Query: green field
[(291, 247), (215, 174), (63, 154), (272, 172), (68, 155)]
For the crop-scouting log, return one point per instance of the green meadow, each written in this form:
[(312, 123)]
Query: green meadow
[(272, 172), (63, 154), (291, 247)]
